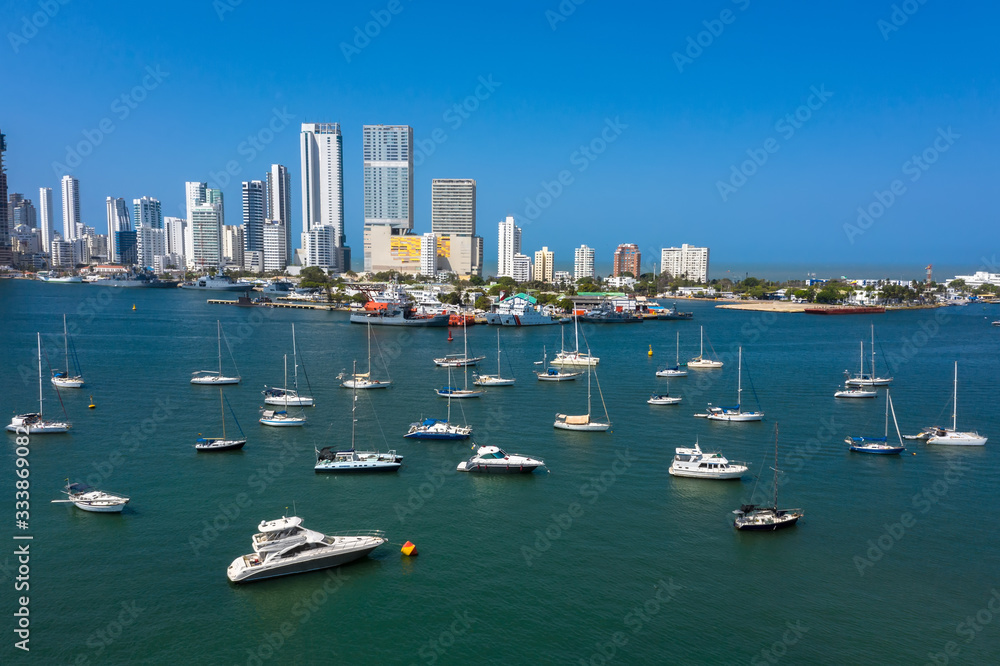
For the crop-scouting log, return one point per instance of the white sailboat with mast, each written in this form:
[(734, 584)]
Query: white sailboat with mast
[(35, 424), (438, 429), (552, 373), (285, 396), (862, 379), (68, 379), (734, 413), (461, 393), (574, 358), (281, 418), (675, 371), (497, 379), (456, 361), (952, 436), (221, 443), (879, 445), (857, 391), (211, 376), (585, 422), (364, 380), (699, 361)]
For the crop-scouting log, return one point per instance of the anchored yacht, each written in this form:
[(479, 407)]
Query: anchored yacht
[(696, 464), (494, 460)]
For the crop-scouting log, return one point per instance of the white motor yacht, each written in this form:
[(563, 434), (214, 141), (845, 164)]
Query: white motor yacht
[(284, 547), (329, 460), (696, 464), (494, 460), (90, 499)]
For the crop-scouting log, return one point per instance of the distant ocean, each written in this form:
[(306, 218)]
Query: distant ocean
[(603, 559)]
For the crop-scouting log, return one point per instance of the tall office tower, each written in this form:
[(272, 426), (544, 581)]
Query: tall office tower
[(453, 206), (233, 242), (206, 235), (151, 243), (126, 247), (118, 220), (254, 202), (194, 195), (45, 216), (543, 264), (6, 253), (71, 207), (627, 260), (388, 179), (429, 254), (685, 261), (275, 258), (583, 263), (214, 196), (279, 202), (321, 149), (146, 213), (521, 268), (508, 244), (175, 227)]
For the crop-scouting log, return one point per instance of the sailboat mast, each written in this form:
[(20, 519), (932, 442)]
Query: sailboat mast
[(465, 363), (449, 394), (954, 401), (295, 361), (576, 330), (39, 374), (66, 343), (701, 350), (588, 388), (677, 359), (369, 350), (222, 410), (498, 353), (739, 380), (873, 354), (284, 389), (775, 466), (219, 324), (354, 403)]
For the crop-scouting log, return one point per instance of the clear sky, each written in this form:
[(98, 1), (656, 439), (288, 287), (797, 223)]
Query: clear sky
[(688, 110)]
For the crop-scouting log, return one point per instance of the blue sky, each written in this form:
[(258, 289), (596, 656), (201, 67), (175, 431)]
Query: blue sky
[(665, 132)]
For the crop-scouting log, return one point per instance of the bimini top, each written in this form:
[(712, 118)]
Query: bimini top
[(75, 488)]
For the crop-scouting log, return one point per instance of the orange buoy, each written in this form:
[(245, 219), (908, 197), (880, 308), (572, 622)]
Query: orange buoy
[(449, 335), (409, 549)]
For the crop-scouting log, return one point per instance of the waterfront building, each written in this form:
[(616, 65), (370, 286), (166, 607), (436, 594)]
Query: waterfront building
[(321, 150), (45, 216), (21, 211), (206, 235), (583, 263), (176, 228), (6, 252), (233, 242), (118, 220), (146, 213), (508, 245), (685, 261), (151, 243), (543, 269), (254, 204), (388, 180), (453, 206), (279, 203), (25, 240), (61, 253), (628, 259), (521, 268), (126, 247), (461, 255), (275, 257), (71, 207), (253, 261)]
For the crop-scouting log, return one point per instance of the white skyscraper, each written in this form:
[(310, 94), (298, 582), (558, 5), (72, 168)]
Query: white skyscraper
[(321, 149), (151, 243), (146, 213), (45, 215), (71, 207), (279, 201), (275, 238), (388, 179), (254, 203), (685, 261), (194, 194), (118, 220), (233, 242), (509, 244), (428, 254), (583, 263), (453, 206), (176, 227), (206, 235)]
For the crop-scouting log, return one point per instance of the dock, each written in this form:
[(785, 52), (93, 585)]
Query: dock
[(246, 303)]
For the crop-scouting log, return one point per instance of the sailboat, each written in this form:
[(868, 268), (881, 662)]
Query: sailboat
[(280, 418), (879, 445), (438, 429), (364, 380), (32, 424), (213, 377), (459, 360), (284, 396), (861, 379), (457, 393), (850, 391), (736, 412), (584, 422), (551, 373), (951, 436), (752, 517), (700, 361), (66, 379), (221, 443), (497, 379), (574, 358), (675, 371), (328, 459)]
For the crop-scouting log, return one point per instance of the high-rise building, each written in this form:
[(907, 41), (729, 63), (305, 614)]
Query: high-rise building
[(126, 247), (583, 263), (543, 269), (71, 207), (279, 202), (233, 242), (521, 268), (321, 149), (20, 211), (45, 213), (508, 244), (453, 206), (275, 238), (194, 194), (175, 227), (254, 203), (388, 179), (627, 260), (146, 213), (429, 254), (206, 235), (685, 261), (6, 253), (151, 242), (118, 220), (62, 253)]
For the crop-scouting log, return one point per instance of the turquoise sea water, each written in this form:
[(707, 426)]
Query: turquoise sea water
[(605, 558)]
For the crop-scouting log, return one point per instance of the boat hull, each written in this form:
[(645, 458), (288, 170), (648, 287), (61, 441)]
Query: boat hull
[(43, 428), (359, 466), (582, 427), (215, 381), (399, 320), (878, 450), (290, 402), (283, 423), (72, 382), (534, 319), (220, 445), (855, 395), (364, 385), (671, 373), (450, 436), (561, 377), (736, 417), (664, 401), (694, 474), (781, 523), (953, 439), (491, 468), (460, 395), (243, 574), (703, 365), (493, 381)]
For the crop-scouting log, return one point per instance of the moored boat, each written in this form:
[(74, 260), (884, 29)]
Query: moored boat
[(696, 464), (91, 499), (494, 460)]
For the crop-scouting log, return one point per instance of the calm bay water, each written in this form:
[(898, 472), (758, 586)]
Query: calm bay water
[(606, 557)]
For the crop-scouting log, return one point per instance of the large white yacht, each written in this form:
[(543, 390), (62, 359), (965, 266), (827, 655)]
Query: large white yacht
[(696, 464), (494, 460), (284, 547)]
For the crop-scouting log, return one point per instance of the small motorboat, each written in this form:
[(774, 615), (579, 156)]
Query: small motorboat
[(494, 460)]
